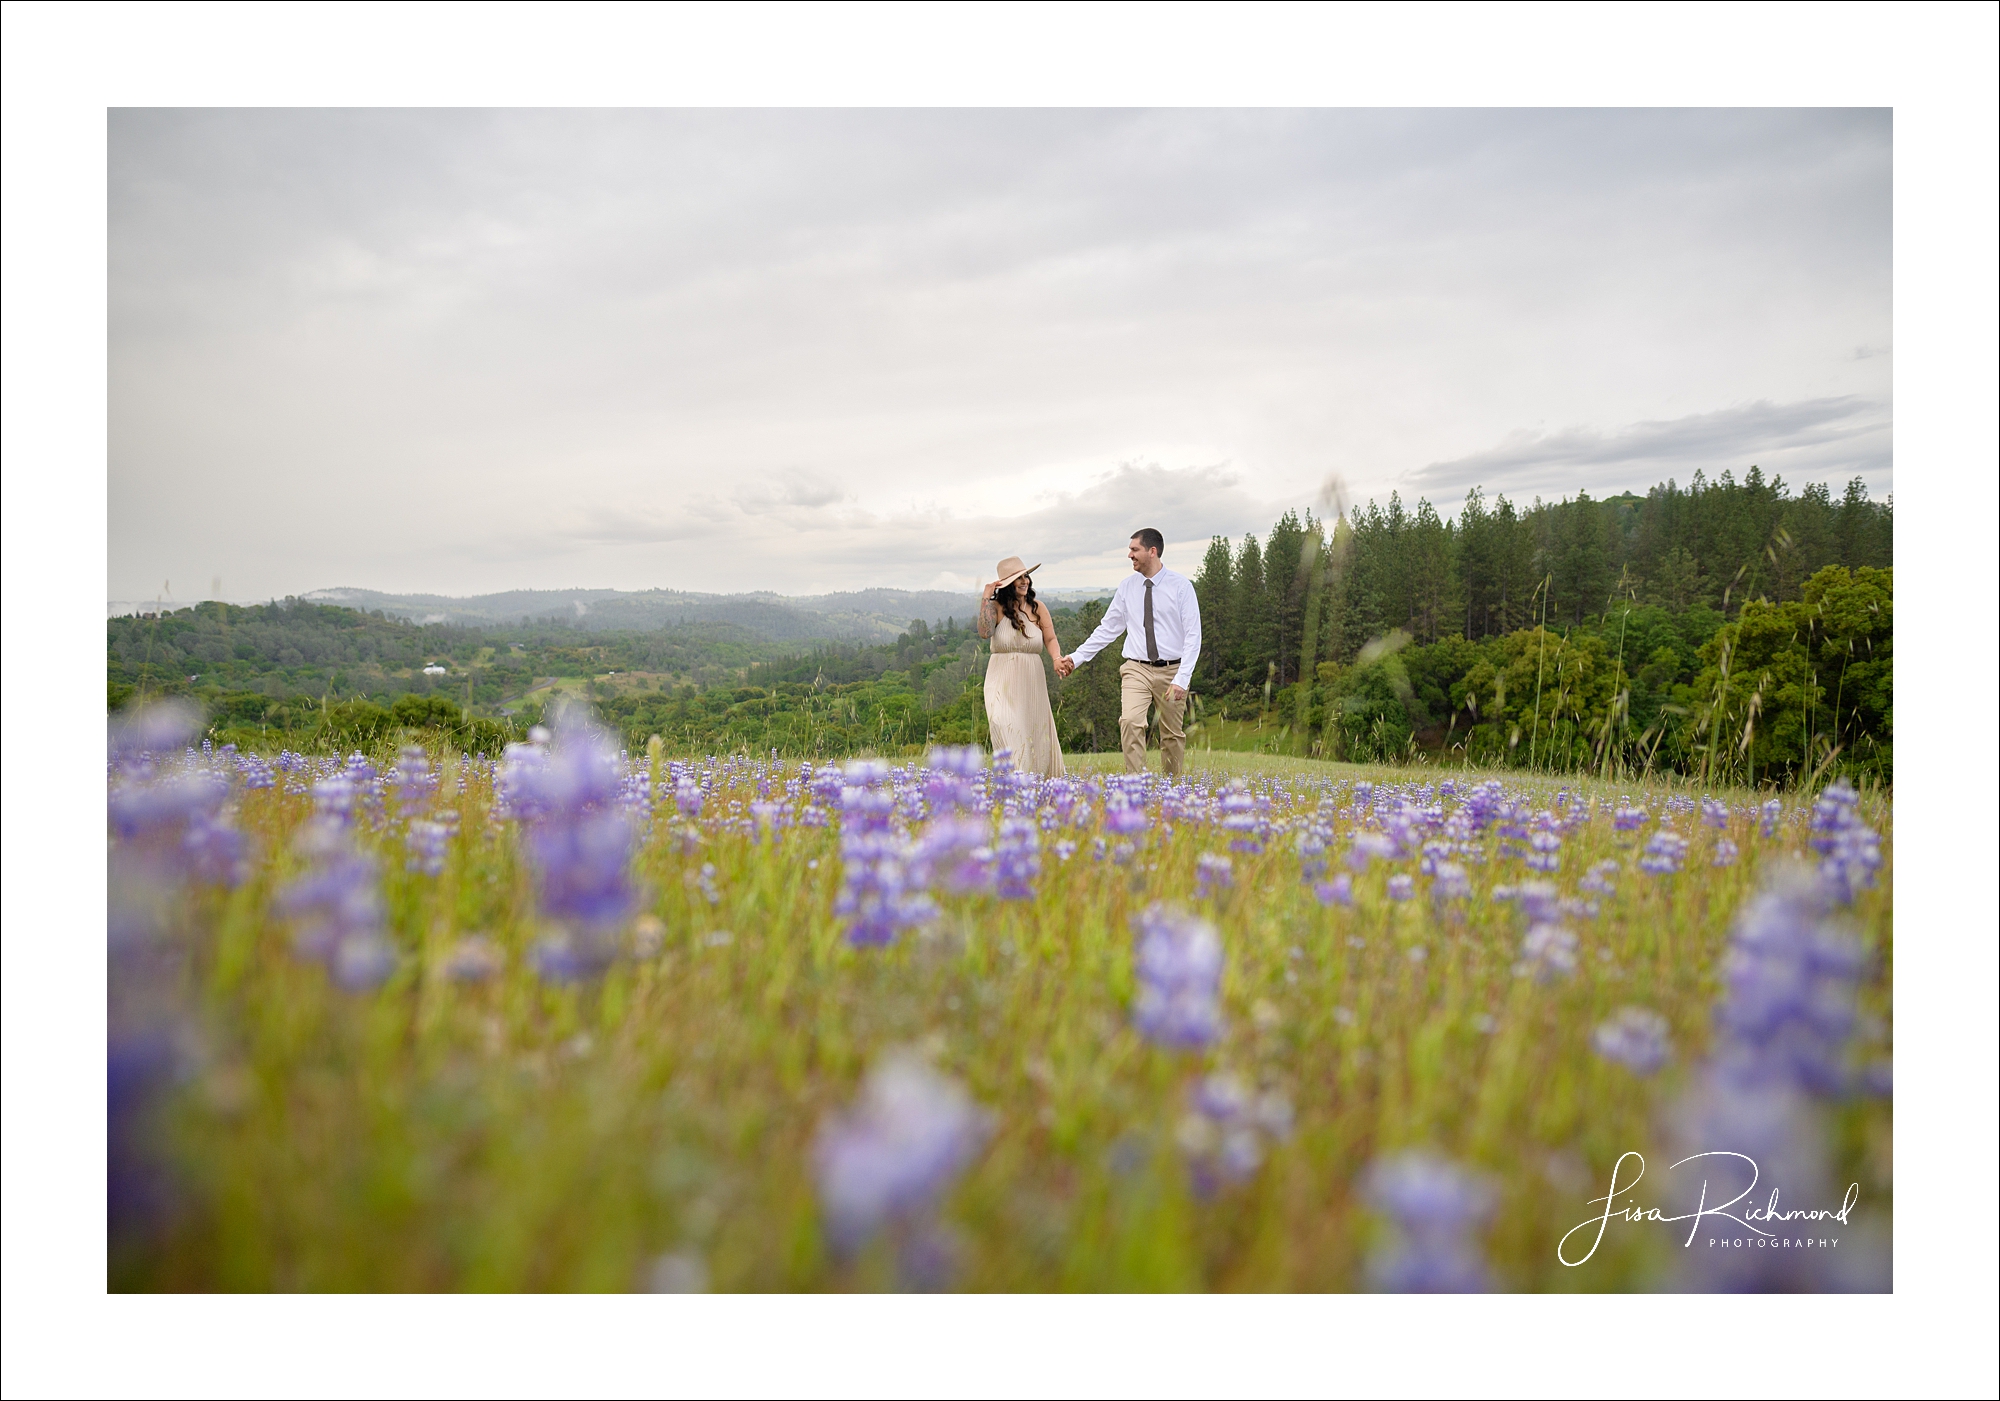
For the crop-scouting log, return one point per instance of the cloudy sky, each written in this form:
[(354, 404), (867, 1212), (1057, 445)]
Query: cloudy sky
[(805, 351)]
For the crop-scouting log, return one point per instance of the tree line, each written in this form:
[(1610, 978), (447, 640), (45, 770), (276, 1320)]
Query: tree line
[(1398, 630), (1728, 629)]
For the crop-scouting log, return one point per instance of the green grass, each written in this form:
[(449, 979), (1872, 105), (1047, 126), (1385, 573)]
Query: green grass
[(517, 1136)]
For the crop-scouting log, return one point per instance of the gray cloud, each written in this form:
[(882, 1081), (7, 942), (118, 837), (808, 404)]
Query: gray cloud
[(725, 541), (457, 352), (1819, 438)]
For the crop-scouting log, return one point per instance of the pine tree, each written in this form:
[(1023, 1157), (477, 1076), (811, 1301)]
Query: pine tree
[(1582, 572), (1285, 584), (1472, 553), (1433, 583), (1361, 612), (1514, 568), (1212, 596), (1250, 618), (1393, 580)]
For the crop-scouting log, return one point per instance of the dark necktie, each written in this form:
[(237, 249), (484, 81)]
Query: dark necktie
[(1152, 643)]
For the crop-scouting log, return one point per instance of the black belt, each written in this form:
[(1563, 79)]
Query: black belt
[(1143, 662)]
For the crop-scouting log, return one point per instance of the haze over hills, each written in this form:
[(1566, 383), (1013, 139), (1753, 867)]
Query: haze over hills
[(870, 615)]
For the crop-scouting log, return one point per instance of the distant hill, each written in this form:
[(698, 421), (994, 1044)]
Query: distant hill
[(870, 615)]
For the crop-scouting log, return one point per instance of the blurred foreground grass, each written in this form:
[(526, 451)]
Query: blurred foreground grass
[(513, 1135)]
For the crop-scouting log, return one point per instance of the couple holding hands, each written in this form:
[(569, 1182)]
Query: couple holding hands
[(1156, 610)]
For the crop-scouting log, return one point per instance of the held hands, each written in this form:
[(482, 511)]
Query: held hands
[(1064, 666)]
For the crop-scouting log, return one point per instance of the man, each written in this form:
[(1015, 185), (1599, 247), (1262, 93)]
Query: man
[(1156, 610)]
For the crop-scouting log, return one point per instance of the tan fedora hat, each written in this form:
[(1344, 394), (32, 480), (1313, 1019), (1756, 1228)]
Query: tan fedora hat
[(1010, 569)]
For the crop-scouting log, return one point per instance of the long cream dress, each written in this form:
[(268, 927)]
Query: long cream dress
[(1017, 701)]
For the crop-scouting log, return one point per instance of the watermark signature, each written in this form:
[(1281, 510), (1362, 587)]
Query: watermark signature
[(1753, 1218)]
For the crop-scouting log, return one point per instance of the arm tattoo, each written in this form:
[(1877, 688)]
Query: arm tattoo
[(989, 615)]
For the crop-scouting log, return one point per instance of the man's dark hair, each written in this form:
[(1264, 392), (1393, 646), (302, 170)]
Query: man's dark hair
[(1151, 539)]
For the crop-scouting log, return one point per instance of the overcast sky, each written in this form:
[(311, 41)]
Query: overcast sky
[(805, 351)]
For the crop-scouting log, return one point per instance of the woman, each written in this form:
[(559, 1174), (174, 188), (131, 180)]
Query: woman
[(1017, 694)]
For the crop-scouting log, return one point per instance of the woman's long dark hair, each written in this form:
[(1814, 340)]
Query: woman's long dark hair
[(1013, 604)]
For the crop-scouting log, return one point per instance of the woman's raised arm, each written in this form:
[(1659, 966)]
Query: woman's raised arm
[(989, 612)]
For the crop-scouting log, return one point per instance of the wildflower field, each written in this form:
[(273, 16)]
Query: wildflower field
[(571, 1018)]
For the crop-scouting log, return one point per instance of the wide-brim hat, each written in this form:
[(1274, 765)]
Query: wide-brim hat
[(1011, 568)]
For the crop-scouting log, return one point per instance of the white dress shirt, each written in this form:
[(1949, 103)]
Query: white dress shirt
[(1176, 623)]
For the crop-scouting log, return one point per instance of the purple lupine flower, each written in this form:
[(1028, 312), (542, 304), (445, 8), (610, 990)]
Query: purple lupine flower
[(955, 853), (1783, 1135), (1664, 852), (426, 842), (1483, 805), (890, 1159), (364, 784), (1311, 843), (1450, 882), (168, 832), (170, 828), (1368, 846), (1020, 793), (144, 1058), (1222, 1136), (1338, 891), (1600, 878), (335, 799), (882, 889), (826, 786), (579, 843), (1548, 953), (911, 805), (1725, 853), (1788, 1009), (412, 779), (1849, 848), (703, 880), (1628, 819), (1124, 817), (874, 895), (1544, 852), (1240, 817), (1768, 816), (1402, 887), (688, 798), (335, 908), (1833, 811), (1537, 900), (1212, 873), (1714, 813), (1015, 862), (954, 849), (1179, 966), (1437, 1208), (1635, 1038), (636, 792)]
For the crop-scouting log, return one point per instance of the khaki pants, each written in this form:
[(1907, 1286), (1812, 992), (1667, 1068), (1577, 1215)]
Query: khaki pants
[(1140, 686)]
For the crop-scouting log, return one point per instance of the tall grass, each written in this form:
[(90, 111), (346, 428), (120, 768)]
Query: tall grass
[(516, 1135)]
